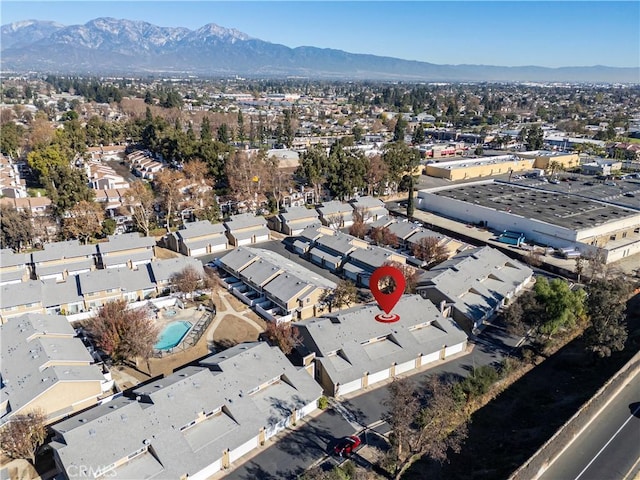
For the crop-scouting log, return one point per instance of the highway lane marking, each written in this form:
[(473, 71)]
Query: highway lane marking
[(633, 467), (610, 440)]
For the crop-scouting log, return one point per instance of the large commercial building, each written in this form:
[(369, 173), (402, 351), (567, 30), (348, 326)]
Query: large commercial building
[(502, 164), (546, 217)]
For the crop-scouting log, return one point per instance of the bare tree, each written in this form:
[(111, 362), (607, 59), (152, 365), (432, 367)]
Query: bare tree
[(23, 434), (187, 280), (83, 221), (383, 236), (417, 431), (124, 334), (169, 186), (409, 273), (344, 294), (140, 201), (243, 173), (430, 250), (358, 227), (285, 335)]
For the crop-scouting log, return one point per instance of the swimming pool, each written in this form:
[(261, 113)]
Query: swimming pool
[(172, 335)]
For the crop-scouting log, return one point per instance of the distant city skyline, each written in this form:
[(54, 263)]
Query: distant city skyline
[(503, 33)]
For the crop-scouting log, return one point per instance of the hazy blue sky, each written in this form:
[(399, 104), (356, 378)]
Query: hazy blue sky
[(508, 33)]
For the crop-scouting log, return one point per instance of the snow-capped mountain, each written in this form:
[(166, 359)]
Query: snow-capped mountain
[(113, 46)]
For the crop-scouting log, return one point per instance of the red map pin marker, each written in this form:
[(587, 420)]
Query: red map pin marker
[(387, 301)]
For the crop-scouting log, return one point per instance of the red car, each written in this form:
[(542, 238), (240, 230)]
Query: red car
[(347, 445)]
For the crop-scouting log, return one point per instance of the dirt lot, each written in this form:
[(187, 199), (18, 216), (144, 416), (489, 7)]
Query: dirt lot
[(233, 330)]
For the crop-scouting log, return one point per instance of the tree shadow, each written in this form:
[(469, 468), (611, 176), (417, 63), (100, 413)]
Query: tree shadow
[(223, 344)]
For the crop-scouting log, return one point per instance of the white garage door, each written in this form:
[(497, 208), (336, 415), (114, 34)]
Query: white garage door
[(243, 449), (262, 238), (207, 471), (453, 349), (349, 387), (306, 410), (378, 376), (244, 241), (405, 367), (196, 252), (432, 357)]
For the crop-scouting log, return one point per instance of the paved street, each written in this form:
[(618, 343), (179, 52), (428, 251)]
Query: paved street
[(609, 448), (295, 451)]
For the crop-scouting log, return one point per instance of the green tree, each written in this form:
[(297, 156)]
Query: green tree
[(11, 138), (108, 227), (66, 186), (241, 132), (535, 138), (205, 130), (41, 160), (563, 307), (399, 129), (347, 171), (16, 229), (314, 166), (606, 306), (418, 135), (224, 134)]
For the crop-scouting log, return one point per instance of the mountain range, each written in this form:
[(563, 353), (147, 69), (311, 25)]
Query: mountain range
[(109, 46)]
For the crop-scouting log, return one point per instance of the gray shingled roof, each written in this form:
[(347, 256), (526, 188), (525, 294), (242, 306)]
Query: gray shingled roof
[(117, 257), (100, 280), (341, 341), (125, 241), (105, 434), (162, 270), (63, 250), (297, 214), (73, 265), (286, 287), (382, 221), (371, 257), (260, 271), (33, 340), (244, 220), (60, 293), (339, 243), (238, 258), (242, 235), (335, 207), (14, 294), (200, 229), (10, 259), (403, 230), (476, 280)]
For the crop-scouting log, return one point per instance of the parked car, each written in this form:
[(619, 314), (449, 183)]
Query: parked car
[(347, 445)]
